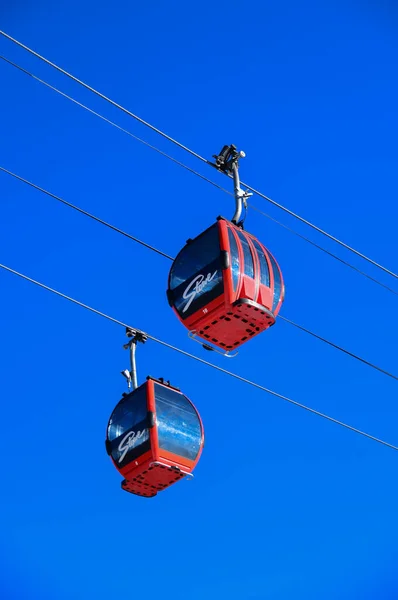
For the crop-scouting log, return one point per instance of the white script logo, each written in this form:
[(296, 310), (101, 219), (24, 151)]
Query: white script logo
[(195, 287), (129, 441)]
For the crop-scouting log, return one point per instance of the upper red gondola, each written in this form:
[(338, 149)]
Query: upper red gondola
[(225, 286)]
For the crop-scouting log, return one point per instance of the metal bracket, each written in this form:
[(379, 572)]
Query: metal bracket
[(136, 336), (207, 346), (226, 158), (228, 162)]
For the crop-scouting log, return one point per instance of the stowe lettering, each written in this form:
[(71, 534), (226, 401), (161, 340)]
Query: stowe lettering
[(196, 286), (129, 441)]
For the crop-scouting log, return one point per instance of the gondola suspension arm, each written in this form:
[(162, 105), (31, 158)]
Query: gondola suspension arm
[(228, 162), (136, 336)]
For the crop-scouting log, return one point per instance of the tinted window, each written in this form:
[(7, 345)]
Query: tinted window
[(264, 271), (277, 282), (196, 274), (178, 424), (234, 259), (128, 427), (249, 267)]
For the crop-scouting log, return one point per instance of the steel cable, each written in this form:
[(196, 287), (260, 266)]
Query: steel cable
[(181, 164), (161, 253), (196, 155), (201, 360)]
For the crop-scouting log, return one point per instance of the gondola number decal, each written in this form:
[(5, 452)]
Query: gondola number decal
[(129, 441), (196, 286)]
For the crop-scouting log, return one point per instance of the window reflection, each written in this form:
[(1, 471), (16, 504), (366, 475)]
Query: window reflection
[(196, 275), (129, 413), (178, 424), (277, 282), (249, 266), (234, 259), (264, 271)]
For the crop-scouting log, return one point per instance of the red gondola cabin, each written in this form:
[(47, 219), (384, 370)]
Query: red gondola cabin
[(154, 437), (225, 286)]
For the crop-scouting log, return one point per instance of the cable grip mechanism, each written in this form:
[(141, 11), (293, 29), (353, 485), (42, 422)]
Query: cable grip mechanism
[(135, 336), (227, 161)]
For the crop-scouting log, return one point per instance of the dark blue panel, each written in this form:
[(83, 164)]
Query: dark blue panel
[(131, 444), (178, 423), (196, 274), (128, 430)]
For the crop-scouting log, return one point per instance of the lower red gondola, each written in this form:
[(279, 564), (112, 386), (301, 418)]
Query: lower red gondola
[(154, 437)]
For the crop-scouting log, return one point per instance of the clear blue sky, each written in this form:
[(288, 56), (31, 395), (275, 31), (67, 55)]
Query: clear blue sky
[(283, 505)]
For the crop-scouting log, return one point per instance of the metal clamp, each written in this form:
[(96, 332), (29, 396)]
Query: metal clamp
[(228, 162), (136, 336)]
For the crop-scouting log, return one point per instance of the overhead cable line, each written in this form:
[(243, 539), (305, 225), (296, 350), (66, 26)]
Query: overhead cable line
[(315, 245), (181, 164), (97, 93), (319, 230), (196, 155), (201, 360), (154, 249), (86, 213), (96, 114)]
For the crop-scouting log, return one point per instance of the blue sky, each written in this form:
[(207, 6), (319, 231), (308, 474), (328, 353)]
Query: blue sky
[(283, 504)]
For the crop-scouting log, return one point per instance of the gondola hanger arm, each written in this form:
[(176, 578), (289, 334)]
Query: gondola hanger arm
[(135, 336), (227, 161)]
